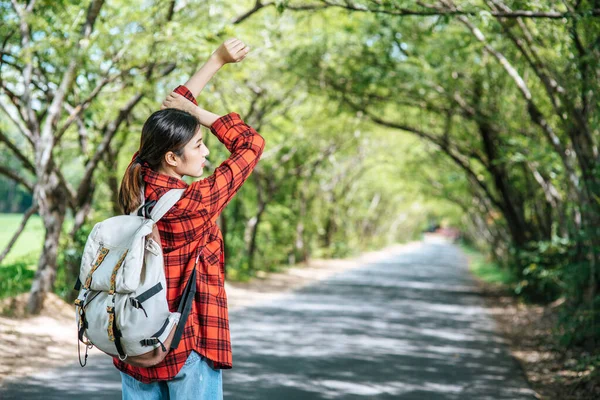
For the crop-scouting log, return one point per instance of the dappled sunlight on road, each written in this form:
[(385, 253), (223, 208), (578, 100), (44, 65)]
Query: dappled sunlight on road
[(101, 381), (410, 328)]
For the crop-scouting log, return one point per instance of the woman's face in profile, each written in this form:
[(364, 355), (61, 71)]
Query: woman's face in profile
[(195, 152)]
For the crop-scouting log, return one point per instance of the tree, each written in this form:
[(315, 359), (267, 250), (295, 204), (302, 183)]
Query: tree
[(49, 90)]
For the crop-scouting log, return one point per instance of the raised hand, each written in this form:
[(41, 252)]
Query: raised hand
[(175, 100), (231, 51)]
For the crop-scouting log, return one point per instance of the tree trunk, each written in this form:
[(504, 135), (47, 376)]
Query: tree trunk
[(113, 184), (255, 221), (72, 264), (586, 157), (52, 209), (330, 228), (300, 248)]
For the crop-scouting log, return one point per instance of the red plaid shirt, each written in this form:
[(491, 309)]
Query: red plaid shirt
[(190, 226)]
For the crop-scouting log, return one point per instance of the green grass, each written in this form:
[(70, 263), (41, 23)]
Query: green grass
[(18, 268), (486, 270), (30, 242)]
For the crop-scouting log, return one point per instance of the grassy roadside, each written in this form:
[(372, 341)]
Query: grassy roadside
[(555, 373), (486, 270), (19, 266)]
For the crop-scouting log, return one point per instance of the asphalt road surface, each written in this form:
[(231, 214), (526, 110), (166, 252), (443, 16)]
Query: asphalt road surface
[(408, 327)]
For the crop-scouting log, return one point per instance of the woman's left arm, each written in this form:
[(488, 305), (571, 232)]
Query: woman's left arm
[(231, 51)]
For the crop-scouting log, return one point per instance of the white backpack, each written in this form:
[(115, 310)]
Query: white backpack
[(122, 305)]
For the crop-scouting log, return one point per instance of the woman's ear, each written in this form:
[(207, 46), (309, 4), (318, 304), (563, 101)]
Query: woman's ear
[(171, 159)]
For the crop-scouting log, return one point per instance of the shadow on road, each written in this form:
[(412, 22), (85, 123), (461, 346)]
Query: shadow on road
[(412, 327)]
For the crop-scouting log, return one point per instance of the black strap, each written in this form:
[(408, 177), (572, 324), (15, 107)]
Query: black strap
[(84, 362), (77, 284), (136, 302), (152, 342), (185, 305), (162, 329), (148, 342), (82, 304), (154, 339), (118, 336), (147, 294)]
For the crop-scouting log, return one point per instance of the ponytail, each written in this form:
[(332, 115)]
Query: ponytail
[(130, 193)]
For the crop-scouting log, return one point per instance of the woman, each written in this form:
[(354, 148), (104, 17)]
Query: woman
[(171, 147)]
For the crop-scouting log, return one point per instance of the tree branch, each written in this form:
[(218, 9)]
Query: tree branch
[(74, 112), (457, 158), (19, 124), (407, 12), (534, 112), (257, 6), (15, 177), (534, 60), (30, 118), (46, 135), (24, 160), (108, 132)]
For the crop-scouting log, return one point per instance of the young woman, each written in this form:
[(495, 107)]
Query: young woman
[(171, 147)]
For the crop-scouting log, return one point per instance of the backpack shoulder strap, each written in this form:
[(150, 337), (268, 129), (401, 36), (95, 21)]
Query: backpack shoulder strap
[(165, 203)]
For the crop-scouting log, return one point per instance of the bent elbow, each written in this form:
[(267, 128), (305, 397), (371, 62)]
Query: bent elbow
[(259, 142)]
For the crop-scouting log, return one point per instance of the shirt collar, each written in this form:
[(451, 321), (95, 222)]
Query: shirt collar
[(157, 179)]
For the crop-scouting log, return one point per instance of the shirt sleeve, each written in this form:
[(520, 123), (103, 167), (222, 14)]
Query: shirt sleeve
[(213, 193), (184, 91)]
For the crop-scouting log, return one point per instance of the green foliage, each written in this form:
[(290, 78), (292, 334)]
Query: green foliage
[(488, 270), (16, 276), (579, 324), (375, 126), (543, 269), (69, 261), (13, 198)]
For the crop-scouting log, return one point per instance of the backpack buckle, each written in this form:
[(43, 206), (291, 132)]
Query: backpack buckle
[(146, 208), (135, 303)]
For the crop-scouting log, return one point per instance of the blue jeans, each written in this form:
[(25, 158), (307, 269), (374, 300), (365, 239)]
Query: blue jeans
[(196, 380)]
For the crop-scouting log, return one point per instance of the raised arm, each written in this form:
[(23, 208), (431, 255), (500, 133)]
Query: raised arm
[(212, 194), (231, 51), (182, 99)]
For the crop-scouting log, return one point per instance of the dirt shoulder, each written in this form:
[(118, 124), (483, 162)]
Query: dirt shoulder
[(33, 344), (551, 372)]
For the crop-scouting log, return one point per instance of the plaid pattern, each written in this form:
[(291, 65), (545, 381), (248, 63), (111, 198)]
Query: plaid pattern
[(190, 227)]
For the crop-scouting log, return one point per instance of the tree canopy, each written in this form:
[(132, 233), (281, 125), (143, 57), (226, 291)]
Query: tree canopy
[(379, 116)]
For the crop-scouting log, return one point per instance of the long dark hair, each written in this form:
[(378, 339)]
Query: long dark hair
[(165, 130)]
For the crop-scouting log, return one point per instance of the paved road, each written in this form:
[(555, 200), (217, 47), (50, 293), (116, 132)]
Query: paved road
[(408, 327)]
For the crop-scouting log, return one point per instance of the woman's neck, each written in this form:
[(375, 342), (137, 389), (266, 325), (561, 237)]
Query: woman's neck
[(169, 172)]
